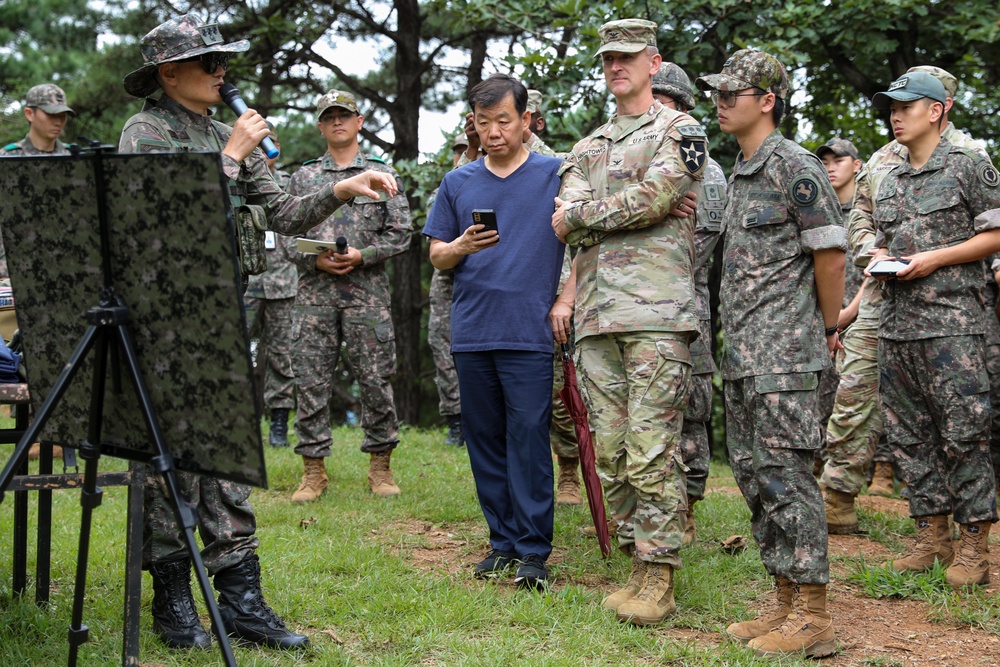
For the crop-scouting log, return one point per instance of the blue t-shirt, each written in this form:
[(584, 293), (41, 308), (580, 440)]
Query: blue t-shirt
[(503, 294)]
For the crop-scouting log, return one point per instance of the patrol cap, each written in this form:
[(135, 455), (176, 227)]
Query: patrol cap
[(173, 40), (48, 97), (911, 87), (748, 68), (534, 101), (335, 98), (673, 82), (626, 36), (946, 78), (460, 142), (839, 147)]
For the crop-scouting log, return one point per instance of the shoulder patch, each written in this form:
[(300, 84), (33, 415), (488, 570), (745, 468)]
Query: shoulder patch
[(804, 190), (691, 131), (11, 147), (693, 153), (988, 174)]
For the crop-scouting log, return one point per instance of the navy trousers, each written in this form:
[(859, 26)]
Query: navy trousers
[(506, 410)]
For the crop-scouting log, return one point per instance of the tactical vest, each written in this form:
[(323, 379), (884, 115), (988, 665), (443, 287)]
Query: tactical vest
[(250, 220)]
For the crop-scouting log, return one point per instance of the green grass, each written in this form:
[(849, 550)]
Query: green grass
[(388, 582)]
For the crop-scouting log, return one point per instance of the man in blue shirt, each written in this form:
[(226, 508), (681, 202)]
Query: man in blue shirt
[(501, 338)]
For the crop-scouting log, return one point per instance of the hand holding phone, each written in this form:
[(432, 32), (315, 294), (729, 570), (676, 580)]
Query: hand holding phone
[(888, 268)]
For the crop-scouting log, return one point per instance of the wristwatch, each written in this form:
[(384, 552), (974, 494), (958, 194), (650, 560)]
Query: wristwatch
[(831, 330)]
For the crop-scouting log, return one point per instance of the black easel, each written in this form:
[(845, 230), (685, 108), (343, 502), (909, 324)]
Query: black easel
[(107, 335)]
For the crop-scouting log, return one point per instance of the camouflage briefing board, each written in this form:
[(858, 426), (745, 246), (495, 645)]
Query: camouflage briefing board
[(174, 264)]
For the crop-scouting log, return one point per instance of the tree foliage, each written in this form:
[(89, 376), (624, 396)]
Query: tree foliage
[(429, 53)]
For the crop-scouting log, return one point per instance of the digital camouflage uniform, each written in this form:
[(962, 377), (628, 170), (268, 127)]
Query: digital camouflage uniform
[(352, 309), (932, 367), (780, 209), (855, 436), (439, 340), (992, 294), (226, 520), (695, 448), (270, 303), (636, 314)]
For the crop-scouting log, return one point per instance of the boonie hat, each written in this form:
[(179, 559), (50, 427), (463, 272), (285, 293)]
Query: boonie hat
[(173, 40), (911, 87), (673, 82), (839, 147), (335, 98), (460, 142), (48, 97), (534, 101), (946, 78), (748, 68), (626, 36)]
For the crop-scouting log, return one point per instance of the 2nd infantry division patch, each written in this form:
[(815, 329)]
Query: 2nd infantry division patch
[(693, 154), (988, 174), (805, 190)]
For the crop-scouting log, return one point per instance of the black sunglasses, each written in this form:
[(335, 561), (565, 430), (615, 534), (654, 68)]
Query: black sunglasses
[(210, 61)]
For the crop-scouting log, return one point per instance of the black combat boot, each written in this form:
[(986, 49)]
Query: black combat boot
[(175, 619), (245, 614), (279, 427), (455, 437)]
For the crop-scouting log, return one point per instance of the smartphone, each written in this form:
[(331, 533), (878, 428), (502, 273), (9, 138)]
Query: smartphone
[(888, 267), (486, 217)]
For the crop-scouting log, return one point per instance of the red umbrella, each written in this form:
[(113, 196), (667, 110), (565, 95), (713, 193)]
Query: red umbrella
[(570, 396)]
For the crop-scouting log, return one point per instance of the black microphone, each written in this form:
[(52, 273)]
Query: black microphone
[(341, 245), (231, 96)]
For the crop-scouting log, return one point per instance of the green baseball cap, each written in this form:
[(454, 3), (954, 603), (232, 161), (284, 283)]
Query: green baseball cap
[(748, 68), (48, 97), (838, 146), (177, 39), (336, 98), (911, 87), (626, 36)]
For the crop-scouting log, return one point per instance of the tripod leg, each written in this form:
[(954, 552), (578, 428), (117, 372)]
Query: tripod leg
[(90, 498), (164, 464)]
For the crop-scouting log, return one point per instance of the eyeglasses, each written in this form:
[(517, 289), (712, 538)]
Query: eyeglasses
[(728, 98), (210, 62)]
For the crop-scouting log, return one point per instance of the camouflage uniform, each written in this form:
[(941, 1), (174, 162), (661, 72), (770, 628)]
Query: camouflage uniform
[(270, 300), (780, 209), (855, 436), (992, 294), (226, 520), (562, 429), (352, 309), (932, 367), (636, 314), (695, 448), (439, 339)]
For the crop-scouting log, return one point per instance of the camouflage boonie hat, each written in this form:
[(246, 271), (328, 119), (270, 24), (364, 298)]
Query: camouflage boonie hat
[(335, 98), (173, 40), (534, 101), (839, 147), (673, 82), (910, 87), (946, 78), (460, 142), (626, 35), (748, 68), (48, 97)]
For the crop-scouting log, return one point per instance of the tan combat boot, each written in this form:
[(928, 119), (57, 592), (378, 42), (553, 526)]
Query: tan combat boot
[(785, 593), (654, 601), (632, 586), (380, 479), (807, 629), (933, 543), (689, 528), (841, 516), (882, 480), (568, 484), (314, 481), (971, 566)]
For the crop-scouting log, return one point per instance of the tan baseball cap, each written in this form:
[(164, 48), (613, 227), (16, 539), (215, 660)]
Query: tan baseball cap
[(626, 36)]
